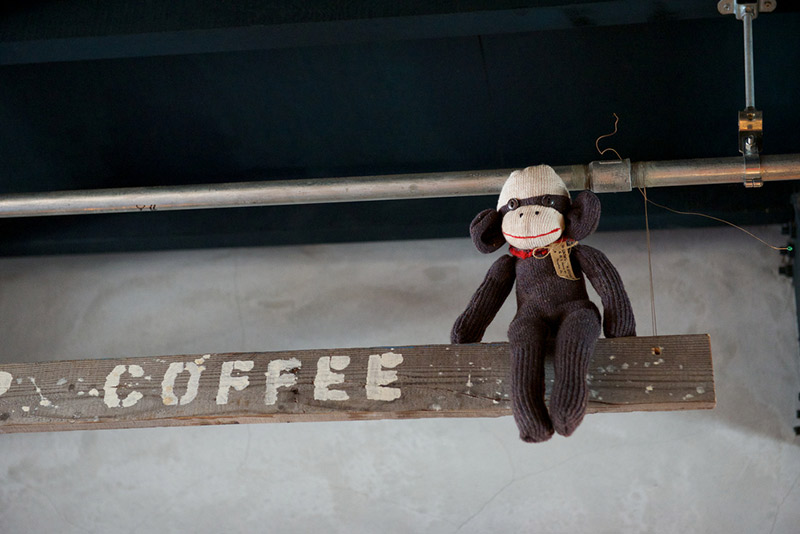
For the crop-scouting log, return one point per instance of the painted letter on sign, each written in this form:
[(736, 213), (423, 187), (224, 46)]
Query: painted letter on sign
[(112, 382), (325, 377), (277, 378), (377, 377), (226, 381)]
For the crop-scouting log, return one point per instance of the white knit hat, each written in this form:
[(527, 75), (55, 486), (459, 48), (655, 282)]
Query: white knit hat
[(532, 182)]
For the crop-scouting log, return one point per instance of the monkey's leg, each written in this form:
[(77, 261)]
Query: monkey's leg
[(575, 342), (527, 336)]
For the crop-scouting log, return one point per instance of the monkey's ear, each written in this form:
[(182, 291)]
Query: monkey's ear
[(583, 216), (486, 231)]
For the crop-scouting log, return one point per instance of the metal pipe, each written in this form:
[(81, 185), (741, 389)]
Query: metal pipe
[(362, 188), (749, 82)]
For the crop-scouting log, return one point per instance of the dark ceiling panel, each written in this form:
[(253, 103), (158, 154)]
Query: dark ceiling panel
[(494, 100)]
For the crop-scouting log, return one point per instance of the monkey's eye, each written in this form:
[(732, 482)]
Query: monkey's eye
[(513, 204), (549, 201)]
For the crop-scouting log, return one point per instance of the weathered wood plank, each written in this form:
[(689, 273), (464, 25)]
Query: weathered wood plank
[(629, 374)]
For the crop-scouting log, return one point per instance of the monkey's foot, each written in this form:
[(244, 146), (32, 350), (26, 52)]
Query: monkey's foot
[(535, 435), (530, 414), (567, 414)]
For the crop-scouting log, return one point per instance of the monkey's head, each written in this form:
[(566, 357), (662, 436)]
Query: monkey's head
[(534, 209)]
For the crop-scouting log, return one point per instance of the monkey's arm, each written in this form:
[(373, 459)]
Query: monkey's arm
[(486, 302), (618, 318)]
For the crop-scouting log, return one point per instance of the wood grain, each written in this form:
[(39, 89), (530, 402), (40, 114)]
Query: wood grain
[(627, 374)]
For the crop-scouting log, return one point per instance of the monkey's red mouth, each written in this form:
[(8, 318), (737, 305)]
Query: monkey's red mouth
[(532, 236)]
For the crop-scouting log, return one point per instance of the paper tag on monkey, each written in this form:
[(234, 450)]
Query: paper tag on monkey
[(559, 253)]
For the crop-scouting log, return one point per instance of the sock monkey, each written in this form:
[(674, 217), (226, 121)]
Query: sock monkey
[(543, 227)]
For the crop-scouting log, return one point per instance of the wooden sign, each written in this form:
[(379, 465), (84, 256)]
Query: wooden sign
[(627, 374)]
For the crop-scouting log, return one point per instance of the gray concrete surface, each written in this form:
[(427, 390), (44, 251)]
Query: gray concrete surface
[(734, 469)]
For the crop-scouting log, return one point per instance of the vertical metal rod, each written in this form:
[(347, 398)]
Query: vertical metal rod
[(749, 83)]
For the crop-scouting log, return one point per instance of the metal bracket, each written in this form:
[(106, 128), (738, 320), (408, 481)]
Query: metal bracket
[(751, 129), (740, 7), (751, 120), (610, 176), (752, 171)]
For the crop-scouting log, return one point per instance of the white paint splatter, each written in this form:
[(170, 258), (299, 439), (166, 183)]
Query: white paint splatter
[(94, 393), (701, 390), (377, 378), (19, 381), (469, 380), (276, 377), (148, 377), (612, 357), (80, 380), (625, 366), (227, 381), (81, 393), (680, 366), (61, 381), (26, 409), (647, 364), (688, 396), (436, 407), (649, 388), (43, 400), (5, 381), (201, 360), (498, 381), (326, 378)]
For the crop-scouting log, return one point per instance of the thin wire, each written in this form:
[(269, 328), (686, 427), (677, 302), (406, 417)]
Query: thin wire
[(650, 264), (597, 141), (646, 224), (647, 200)]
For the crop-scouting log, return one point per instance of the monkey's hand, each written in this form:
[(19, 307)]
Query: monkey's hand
[(486, 302), (619, 325), (618, 320)]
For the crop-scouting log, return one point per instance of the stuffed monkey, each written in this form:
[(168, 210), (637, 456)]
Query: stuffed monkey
[(543, 227)]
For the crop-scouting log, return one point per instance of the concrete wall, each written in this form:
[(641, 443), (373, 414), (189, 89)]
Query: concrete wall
[(733, 469)]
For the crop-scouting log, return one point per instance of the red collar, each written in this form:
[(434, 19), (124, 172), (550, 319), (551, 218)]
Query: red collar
[(540, 252)]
